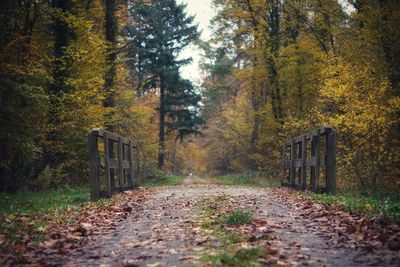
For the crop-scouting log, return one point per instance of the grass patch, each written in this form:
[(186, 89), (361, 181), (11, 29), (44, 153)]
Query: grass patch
[(242, 257), (368, 202), (216, 214), (29, 213), (38, 203), (238, 217), (245, 179), (167, 180)]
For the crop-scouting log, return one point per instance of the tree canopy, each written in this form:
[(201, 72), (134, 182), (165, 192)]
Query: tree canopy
[(272, 70)]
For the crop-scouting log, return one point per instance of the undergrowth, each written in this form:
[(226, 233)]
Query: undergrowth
[(42, 202), (384, 203), (160, 178), (23, 212)]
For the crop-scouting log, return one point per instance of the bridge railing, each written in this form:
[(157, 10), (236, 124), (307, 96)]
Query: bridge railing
[(113, 162), (309, 161)]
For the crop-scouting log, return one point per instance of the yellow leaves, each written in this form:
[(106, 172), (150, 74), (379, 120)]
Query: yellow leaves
[(359, 97), (358, 101), (238, 117), (368, 207)]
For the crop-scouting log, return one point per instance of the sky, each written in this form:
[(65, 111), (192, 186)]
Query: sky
[(203, 13)]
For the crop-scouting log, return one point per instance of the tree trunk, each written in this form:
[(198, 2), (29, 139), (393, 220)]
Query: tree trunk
[(161, 148), (174, 156), (110, 76), (63, 34)]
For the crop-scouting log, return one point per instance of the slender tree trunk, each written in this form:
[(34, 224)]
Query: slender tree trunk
[(31, 13), (63, 35), (174, 156), (161, 148), (274, 32), (255, 101), (110, 76)]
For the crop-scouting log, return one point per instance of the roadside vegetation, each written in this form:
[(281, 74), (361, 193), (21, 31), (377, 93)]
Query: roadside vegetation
[(371, 203), (160, 178), (384, 203), (27, 215)]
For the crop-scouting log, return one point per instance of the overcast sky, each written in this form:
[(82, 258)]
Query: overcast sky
[(203, 13)]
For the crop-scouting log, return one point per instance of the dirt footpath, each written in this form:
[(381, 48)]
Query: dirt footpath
[(165, 232)]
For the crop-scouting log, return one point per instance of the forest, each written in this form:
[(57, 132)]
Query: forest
[(272, 70), (205, 183)]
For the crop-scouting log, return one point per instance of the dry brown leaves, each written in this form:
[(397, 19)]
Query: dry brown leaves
[(376, 239), (61, 238)]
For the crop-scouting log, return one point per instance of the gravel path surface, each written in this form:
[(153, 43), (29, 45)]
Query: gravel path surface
[(163, 232)]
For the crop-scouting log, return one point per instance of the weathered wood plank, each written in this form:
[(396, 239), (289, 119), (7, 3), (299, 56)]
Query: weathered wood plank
[(125, 165), (111, 136), (120, 159), (310, 162), (283, 179), (297, 163), (318, 160), (292, 159), (106, 163), (287, 164), (130, 164), (113, 163), (303, 163), (331, 162), (121, 163), (139, 172), (93, 167)]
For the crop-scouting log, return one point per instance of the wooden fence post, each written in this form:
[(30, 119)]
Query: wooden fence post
[(107, 164), (303, 162), (330, 162), (131, 169), (317, 159), (93, 167), (139, 171), (300, 160), (284, 178), (292, 161), (120, 169)]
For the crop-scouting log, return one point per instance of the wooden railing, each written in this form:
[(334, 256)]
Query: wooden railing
[(113, 163), (303, 159)]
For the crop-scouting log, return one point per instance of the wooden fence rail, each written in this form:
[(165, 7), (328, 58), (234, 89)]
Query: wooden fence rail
[(112, 163), (311, 152)]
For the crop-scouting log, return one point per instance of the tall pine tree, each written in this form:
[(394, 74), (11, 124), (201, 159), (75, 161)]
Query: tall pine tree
[(160, 30)]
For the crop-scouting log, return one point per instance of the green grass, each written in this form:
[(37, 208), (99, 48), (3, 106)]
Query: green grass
[(383, 203), (245, 179), (238, 217), (23, 212), (27, 203), (243, 257), (167, 180), (216, 214)]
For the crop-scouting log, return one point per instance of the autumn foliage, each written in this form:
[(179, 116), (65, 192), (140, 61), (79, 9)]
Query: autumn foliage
[(273, 70), (278, 69)]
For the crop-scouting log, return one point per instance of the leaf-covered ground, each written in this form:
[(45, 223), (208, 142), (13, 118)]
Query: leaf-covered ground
[(214, 225)]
